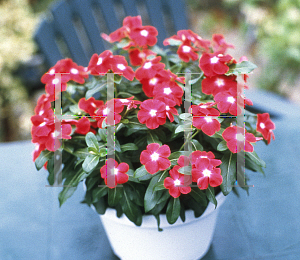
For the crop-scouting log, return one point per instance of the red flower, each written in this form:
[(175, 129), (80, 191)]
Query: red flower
[(149, 69), (187, 52), (101, 64), (213, 64), (129, 102), (143, 36), (206, 174), (170, 109), (90, 105), (155, 157), (265, 126), (219, 43), (227, 102), (196, 155), (178, 183), (137, 57), (216, 84), (233, 135), (105, 111), (152, 113), (206, 121), (118, 172)]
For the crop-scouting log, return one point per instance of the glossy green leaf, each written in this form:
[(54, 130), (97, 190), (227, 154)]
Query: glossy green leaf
[(99, 192), (228, 172), (114, 196), (245, 67), (129, 147), (210, 193), (92, 141), (140, 172), (82, 153), (43, 158), (196, 146), (222, 146), (90, 162), (187, 170), (173, 210), (199, 196), (152, 197), (152, 138)]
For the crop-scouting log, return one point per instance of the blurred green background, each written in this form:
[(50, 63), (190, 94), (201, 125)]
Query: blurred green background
[(267, 32)]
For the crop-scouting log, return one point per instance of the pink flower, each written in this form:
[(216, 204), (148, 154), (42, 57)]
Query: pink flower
[(90, 105), (187, 52), (213, 64), (206, 121), (227, 102), (265, 126), (170, 109), (144, 35), (119, 172), (152, 113), (219, 44), (178, 183), (233, 135), (101, 64), (206, 174), (155, 157), (196, 155), (216, 84), (137, 57), (149, 69)]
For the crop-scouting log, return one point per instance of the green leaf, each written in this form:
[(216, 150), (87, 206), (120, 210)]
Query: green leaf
[(173, 210), (92, 141), (179, 129), (152, 138), (186, 170), (140, 172), (254, 157), (70, 185), (82, 153), (193, 81), (151, 197), (174, 157), (174, 42), (222, 146), (245, 67), (131, 210), (100, 206), (102, 134), (42, 159), (50, 169), (159, 186), (114, 196), (228, 172), (94, 90), (210, 193), (90, 162), (185, 116), (196, 145), (117, 78), (99, 192), (129, 147), (199, 196)]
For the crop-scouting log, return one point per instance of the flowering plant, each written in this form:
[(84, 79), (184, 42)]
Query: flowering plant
[(175, 139)]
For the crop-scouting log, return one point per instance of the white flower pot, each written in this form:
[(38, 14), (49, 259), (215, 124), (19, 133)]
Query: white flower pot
[(189, 240)]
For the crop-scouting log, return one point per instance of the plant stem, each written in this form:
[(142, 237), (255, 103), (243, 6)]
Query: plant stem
[(198, 130)]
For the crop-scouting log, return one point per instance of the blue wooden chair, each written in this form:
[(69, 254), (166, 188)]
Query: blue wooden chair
[(72, 28)]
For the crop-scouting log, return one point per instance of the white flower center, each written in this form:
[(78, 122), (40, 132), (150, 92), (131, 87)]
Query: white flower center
[(262, 125), (52, 71), (239, 137), (167, 91), (206, 173), (144, 33), (203, 106), (230, 99), (208, 119), (93, 105), (152, 112), (148, 65), (123, 100), (99, 61), (55, 81), (203, 156), (167, 108), (214, 60), (105, 111), (74, 71), (153, 81), (220, 82), (154, 156), (121, 67), (42, 124), (186, 48), (177, 182)]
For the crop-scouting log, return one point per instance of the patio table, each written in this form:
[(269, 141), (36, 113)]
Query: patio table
[(264, 225)]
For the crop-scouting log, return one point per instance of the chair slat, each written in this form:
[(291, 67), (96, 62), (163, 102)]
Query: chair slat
[(178, 14), (63, 21), (84, 10), (130, 7), (45, 38), (154, 9), (111, 20)]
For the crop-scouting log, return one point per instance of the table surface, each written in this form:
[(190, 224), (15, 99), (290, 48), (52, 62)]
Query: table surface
[(264, 225)]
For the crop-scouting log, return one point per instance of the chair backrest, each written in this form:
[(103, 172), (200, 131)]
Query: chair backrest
[(72, 28)]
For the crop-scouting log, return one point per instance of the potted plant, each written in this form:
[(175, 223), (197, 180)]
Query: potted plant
[(172, 121)]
